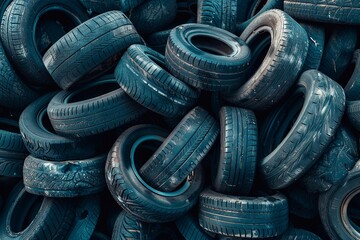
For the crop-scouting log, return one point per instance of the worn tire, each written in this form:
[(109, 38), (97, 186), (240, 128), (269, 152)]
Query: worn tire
[(353, 113), (94, 108), (236, 163), (41, 140), (333, 206), (21, 34), (352, 87), (66, 178), (278, 71), (288, 151), (181, 152), (153, 15), (133, 194), (90, 49), (338, 51), (299, 234), (11, 143), (245, 217), (142, 74), (207, 57), (336, 11), (190, 229), (51, 220), (333, 166), (218, 13)]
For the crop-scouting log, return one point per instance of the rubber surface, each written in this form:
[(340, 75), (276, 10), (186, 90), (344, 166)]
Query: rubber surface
[(295, 135)]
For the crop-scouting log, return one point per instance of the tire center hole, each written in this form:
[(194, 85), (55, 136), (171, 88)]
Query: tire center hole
[(24, 212), (93, 91), (353, 212), (211, 45), (257, 6), (259, 44)]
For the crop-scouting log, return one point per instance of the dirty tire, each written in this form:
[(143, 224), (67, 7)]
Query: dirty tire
[(142, 74), (289, 150), (245, 217), (207, 57), (218, 13), (90, 49), (21, 33), (333, 207), (132, 193), (333, 166), (336, 11), (96, 107), (236, 162), (52, 220), (277, 72), (41, 140), (66, 178)]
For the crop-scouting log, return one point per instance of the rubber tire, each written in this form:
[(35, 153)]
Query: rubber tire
[(14, 94), (52, 221), (235, 166), (101, 6), (338, 51), (278, 71), (142, 74), (333, 205), (11, 143), (213, 72), (299, 234), (336, 11), (41, 140), (353, 113), (316, 35), (190, 229), (90, 49), (352, 87), (286, 156), (218, 13), (153, 15), (252, 14), (181, 152), (18, 27), (64, 179), (87, 213), (245, 217), (128, 189), (333, 166), (91, 110)]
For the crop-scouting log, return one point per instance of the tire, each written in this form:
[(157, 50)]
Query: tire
[(338, 51), (41, 140), (21, 34), (277, 72), (52, 218), (299, 234), (142, 74), (245, 217), (352, 87), (11, 143), (337, 11), (207, 57), (133, 194), (66, 178), (3, 5), (316, 36), (236, 163), (255, 8), (218, 13), (333, 166), (94, 108), (90, 49), (294, 136), (153, 15), (302, 203), (14, 94), (11, 167), (333, 206), (101, 6), (353, 113), (87, 213), (190, 229), (181, 152)]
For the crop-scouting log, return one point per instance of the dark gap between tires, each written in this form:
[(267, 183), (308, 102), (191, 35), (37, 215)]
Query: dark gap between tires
[(211, 45), (257, 6), (158, 61), (344, 80), (9, 128)]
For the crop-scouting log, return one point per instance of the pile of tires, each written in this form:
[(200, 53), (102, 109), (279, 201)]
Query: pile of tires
[(179, 119)]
